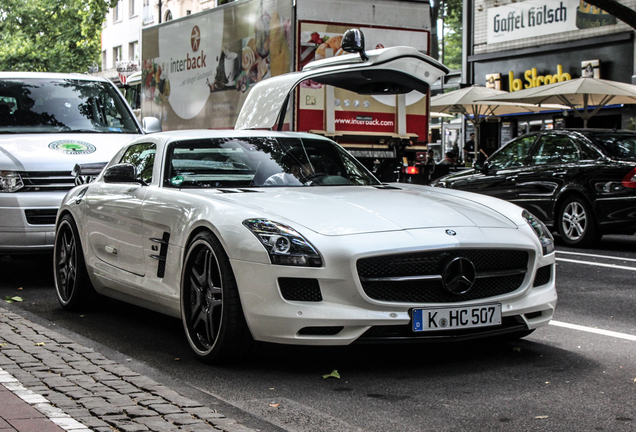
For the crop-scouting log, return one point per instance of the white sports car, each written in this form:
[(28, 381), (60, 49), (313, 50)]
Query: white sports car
[(284, 237)]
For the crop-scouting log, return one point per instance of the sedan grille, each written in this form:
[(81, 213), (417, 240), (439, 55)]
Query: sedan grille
[(47, 180), (417, 277)]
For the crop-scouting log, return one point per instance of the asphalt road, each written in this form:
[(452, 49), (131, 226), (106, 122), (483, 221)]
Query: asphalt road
[(578, 374)]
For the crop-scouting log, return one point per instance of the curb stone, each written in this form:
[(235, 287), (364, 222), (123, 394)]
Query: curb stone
[(81, 390)]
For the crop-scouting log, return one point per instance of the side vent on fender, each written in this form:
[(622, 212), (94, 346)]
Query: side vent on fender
[(163, 252)]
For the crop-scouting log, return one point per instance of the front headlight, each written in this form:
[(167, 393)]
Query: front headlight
[(283, 244), (10, 181), (542, 232)]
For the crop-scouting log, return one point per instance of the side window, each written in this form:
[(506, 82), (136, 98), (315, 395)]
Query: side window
[(554, 149), (587, 153), (142, 156), (513, 154)]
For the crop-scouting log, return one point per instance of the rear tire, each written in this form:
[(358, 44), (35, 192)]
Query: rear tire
[(211, 309), (577, 224), (72, 285)]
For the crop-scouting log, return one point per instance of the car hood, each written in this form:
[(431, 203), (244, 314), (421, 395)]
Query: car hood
[(57, 152), (363, 209)]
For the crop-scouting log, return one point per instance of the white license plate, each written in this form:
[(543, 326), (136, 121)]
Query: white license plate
[(456, 318)]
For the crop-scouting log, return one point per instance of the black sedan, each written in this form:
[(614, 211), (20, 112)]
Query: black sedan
[(581, 183)]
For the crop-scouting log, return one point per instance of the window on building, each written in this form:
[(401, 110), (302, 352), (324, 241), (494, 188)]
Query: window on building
[(116, 55), (133, 8), (133, 51), (188, 12), (147, 12), (117, 11), (168, 16), (104, 60)]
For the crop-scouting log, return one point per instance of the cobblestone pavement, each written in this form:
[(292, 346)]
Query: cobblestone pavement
[(79, 389)]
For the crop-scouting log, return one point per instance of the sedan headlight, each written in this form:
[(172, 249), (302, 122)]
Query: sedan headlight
[(284, 245), (542, 232), (10, 181)]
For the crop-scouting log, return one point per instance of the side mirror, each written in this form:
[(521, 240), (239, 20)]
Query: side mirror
[(482, 167), (121, 173), (353, 42), (151, 125)]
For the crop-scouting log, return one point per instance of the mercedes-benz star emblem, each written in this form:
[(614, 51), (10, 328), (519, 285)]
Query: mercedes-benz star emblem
[(459, 275), (450, 232)]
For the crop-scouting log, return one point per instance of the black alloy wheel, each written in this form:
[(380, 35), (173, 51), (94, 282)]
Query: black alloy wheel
[(576, 223), (72, 285), (210, 306)]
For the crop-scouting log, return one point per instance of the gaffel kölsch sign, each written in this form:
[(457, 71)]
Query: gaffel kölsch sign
[(539, 18)]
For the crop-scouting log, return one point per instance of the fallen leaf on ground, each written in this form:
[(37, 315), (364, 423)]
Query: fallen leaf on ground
[(39, 344), (274, 405), (12, 299), (334, 374), (541, 417)]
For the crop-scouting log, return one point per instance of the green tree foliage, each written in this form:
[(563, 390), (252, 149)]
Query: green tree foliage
[(450, 46), (51, 35)]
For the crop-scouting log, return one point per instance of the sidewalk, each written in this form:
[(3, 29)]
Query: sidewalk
[(49, 383)]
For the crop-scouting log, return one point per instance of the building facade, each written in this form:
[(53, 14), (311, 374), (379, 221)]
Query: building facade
[(121, 33), (520, 44)]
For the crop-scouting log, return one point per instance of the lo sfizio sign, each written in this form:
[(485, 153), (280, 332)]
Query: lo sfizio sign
[(539, 18)]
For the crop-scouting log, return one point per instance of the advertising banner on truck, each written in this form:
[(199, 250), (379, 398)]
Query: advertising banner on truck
[(352, 111), (197, 71)]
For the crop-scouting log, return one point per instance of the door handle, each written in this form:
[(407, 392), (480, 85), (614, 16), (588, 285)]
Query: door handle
[(512, 178), (559, 173)]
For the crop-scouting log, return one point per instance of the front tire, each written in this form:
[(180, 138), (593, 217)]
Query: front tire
[(72, 285), (211, 310), (576, 223)]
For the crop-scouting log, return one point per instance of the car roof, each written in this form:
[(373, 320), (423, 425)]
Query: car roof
[(191, 134), (583, 131), (50, 75)]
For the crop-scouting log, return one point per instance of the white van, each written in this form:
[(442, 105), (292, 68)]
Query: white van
[(48, 124)]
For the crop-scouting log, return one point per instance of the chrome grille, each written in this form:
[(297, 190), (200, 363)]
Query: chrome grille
[(47, 180), (416, 277)]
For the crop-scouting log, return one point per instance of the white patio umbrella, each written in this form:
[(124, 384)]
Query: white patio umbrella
[(469, 101), (576, 93)]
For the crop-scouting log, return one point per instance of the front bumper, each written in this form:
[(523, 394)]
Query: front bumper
[(19, 234), (348, 315)]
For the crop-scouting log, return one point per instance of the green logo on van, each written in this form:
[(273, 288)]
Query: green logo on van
[(72, 147)]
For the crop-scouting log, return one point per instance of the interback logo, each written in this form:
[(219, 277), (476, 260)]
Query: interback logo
[(195, 38)]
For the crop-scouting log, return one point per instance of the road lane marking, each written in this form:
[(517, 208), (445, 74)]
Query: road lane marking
[(597, 256), (594, 330), (614, 266)]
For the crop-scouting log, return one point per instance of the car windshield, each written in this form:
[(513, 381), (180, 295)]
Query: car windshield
[(262, 162), (622, 146), (50, 105)]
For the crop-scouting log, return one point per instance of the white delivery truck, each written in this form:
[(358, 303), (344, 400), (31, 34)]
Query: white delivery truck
[(198, 70)]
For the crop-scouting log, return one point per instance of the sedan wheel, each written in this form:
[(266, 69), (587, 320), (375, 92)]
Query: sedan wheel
[(576, 223), (72, 285), (210, 306)]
